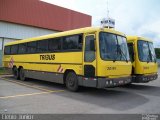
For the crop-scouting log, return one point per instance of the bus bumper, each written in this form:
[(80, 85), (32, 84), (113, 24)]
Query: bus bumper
[(113, 82), (144, 78), (104, 82)]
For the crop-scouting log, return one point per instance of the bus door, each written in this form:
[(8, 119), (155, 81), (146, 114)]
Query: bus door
[(131, 51), (132, 55), (89, 57)]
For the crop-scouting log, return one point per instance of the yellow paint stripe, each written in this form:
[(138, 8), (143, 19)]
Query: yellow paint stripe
[(23, 95), (20, 83)]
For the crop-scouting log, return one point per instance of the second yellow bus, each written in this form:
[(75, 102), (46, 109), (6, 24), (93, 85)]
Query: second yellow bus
[(142, 54)]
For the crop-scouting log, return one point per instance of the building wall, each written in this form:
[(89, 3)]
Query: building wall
[(11, 32), (17, 31), (1, 50)]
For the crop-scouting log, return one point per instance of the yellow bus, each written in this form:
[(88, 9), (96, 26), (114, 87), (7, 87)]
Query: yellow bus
[(142, 55), (91, 57)]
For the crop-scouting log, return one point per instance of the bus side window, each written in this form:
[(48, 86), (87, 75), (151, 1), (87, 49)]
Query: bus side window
[(22, 48), (73, 42), (31, 47), (14, 49), (42, 46), (131, 51), (54, 44), (80, 42), (89, 55)]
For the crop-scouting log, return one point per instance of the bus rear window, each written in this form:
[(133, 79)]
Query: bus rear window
[(7, 50)]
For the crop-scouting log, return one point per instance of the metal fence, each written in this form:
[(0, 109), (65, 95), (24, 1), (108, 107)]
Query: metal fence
[(1, 58)]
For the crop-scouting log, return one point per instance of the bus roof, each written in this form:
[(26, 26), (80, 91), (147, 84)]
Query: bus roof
[(65, 33), (135, 38)]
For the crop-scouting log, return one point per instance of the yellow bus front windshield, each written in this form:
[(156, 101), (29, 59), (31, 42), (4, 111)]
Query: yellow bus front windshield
[(113, 47), (146, 51)]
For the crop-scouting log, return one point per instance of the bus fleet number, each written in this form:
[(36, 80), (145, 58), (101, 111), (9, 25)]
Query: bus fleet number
[(111, 68)]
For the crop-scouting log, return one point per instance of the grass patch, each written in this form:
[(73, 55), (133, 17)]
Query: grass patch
[(3, 71)]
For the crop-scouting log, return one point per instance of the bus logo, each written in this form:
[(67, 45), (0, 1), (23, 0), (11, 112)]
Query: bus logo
[(47, 57)]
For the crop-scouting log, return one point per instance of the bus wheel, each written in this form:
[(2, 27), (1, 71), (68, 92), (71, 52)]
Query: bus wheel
[(22, 74), (72, 81), (15, 73)]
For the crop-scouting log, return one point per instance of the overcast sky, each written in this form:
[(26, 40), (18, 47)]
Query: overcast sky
[(133, 17)]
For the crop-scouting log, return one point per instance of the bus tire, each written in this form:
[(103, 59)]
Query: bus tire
[(22, 74), (15, 73), (72, 81)]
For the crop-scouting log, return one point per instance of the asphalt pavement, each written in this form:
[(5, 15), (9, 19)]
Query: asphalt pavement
[(40, 97)]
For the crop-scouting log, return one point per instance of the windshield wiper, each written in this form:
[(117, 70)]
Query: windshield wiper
[(121, 53), (148, 58), (115, 58), (152, 56)]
